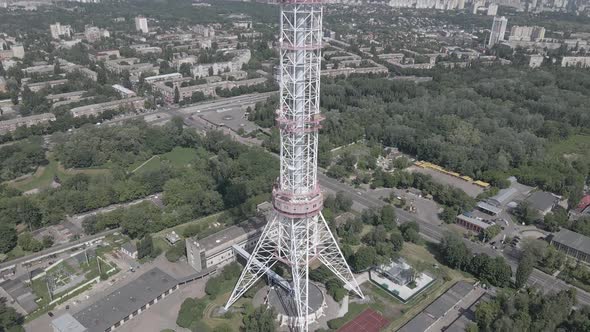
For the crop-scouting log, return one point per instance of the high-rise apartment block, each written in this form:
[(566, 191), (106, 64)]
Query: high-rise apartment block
[(58, 30), (526, 33), (498, 30), (492, 9), (141, 24)]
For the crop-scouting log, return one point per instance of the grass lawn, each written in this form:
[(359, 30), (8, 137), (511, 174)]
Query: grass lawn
[(44, 175), (236, 319), (16, 252), (577, 145), (208, 220), (394, 310), (178, 157)]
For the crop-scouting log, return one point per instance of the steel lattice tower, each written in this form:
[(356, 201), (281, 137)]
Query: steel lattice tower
[(297, 233)]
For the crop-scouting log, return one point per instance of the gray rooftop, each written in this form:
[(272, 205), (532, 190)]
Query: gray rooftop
[(438, 308), (129, 246), (489, 207), (542, 200), (251, 226), (67, 323), (117, 305), (503, 196), (232, 118), (573, 240)]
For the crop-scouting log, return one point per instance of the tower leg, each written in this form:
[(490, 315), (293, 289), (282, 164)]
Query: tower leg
[(302, 235), (331, 256), (264, 253)]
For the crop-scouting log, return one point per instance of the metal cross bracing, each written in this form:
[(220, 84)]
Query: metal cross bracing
[(297, 233)]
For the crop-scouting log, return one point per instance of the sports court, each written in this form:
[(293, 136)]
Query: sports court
[(368, 321)]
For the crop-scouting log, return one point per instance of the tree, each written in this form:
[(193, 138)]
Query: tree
[(10, 319), (410, 231), (57, 68), (185, 70), (145, 247), (397, 240), (388, 217), (47, 241), (486, 313), (343, 201), (260, 320), (176, 95), (28, 243), (525, 213), (191, 311), (363, 259), (453, 251), (8, 238), (524, 269)]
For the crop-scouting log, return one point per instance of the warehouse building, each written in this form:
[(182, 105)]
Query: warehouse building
[(439, 308), (120, 306), (572, 244), (216, 250)]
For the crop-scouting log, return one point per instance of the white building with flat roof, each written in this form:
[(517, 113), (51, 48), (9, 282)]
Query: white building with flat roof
[(216, 249), (58, 30), (123, 91), (141, 24), (96, 109), (498, 30)]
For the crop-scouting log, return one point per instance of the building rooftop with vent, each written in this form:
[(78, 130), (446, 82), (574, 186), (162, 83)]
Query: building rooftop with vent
[(122, 304)]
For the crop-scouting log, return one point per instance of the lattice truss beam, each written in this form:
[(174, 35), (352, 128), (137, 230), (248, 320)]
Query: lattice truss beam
[(297, 242), (297, 236)]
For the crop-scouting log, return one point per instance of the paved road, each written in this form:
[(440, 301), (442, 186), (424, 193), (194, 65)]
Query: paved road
[(436, 232)]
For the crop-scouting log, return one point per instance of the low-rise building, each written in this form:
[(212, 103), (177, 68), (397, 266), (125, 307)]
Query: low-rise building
[(208, 89), (536, 60), (96, 109), (47, 84), (104, 55), (121, 305), (576, 61), (7, 126), (172, 238), (438, 309), (57, 30), (216, 250), (572, 244), (399, 272), (129, 249), (88, 73), (94, 34), (39, 70), (146, 49), (542, 201), (240, 58), (74, 95), (163, 78), (67, 323), (472, 224), (123, 91)]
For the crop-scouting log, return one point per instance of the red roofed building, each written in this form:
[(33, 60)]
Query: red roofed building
[(584, 203)]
